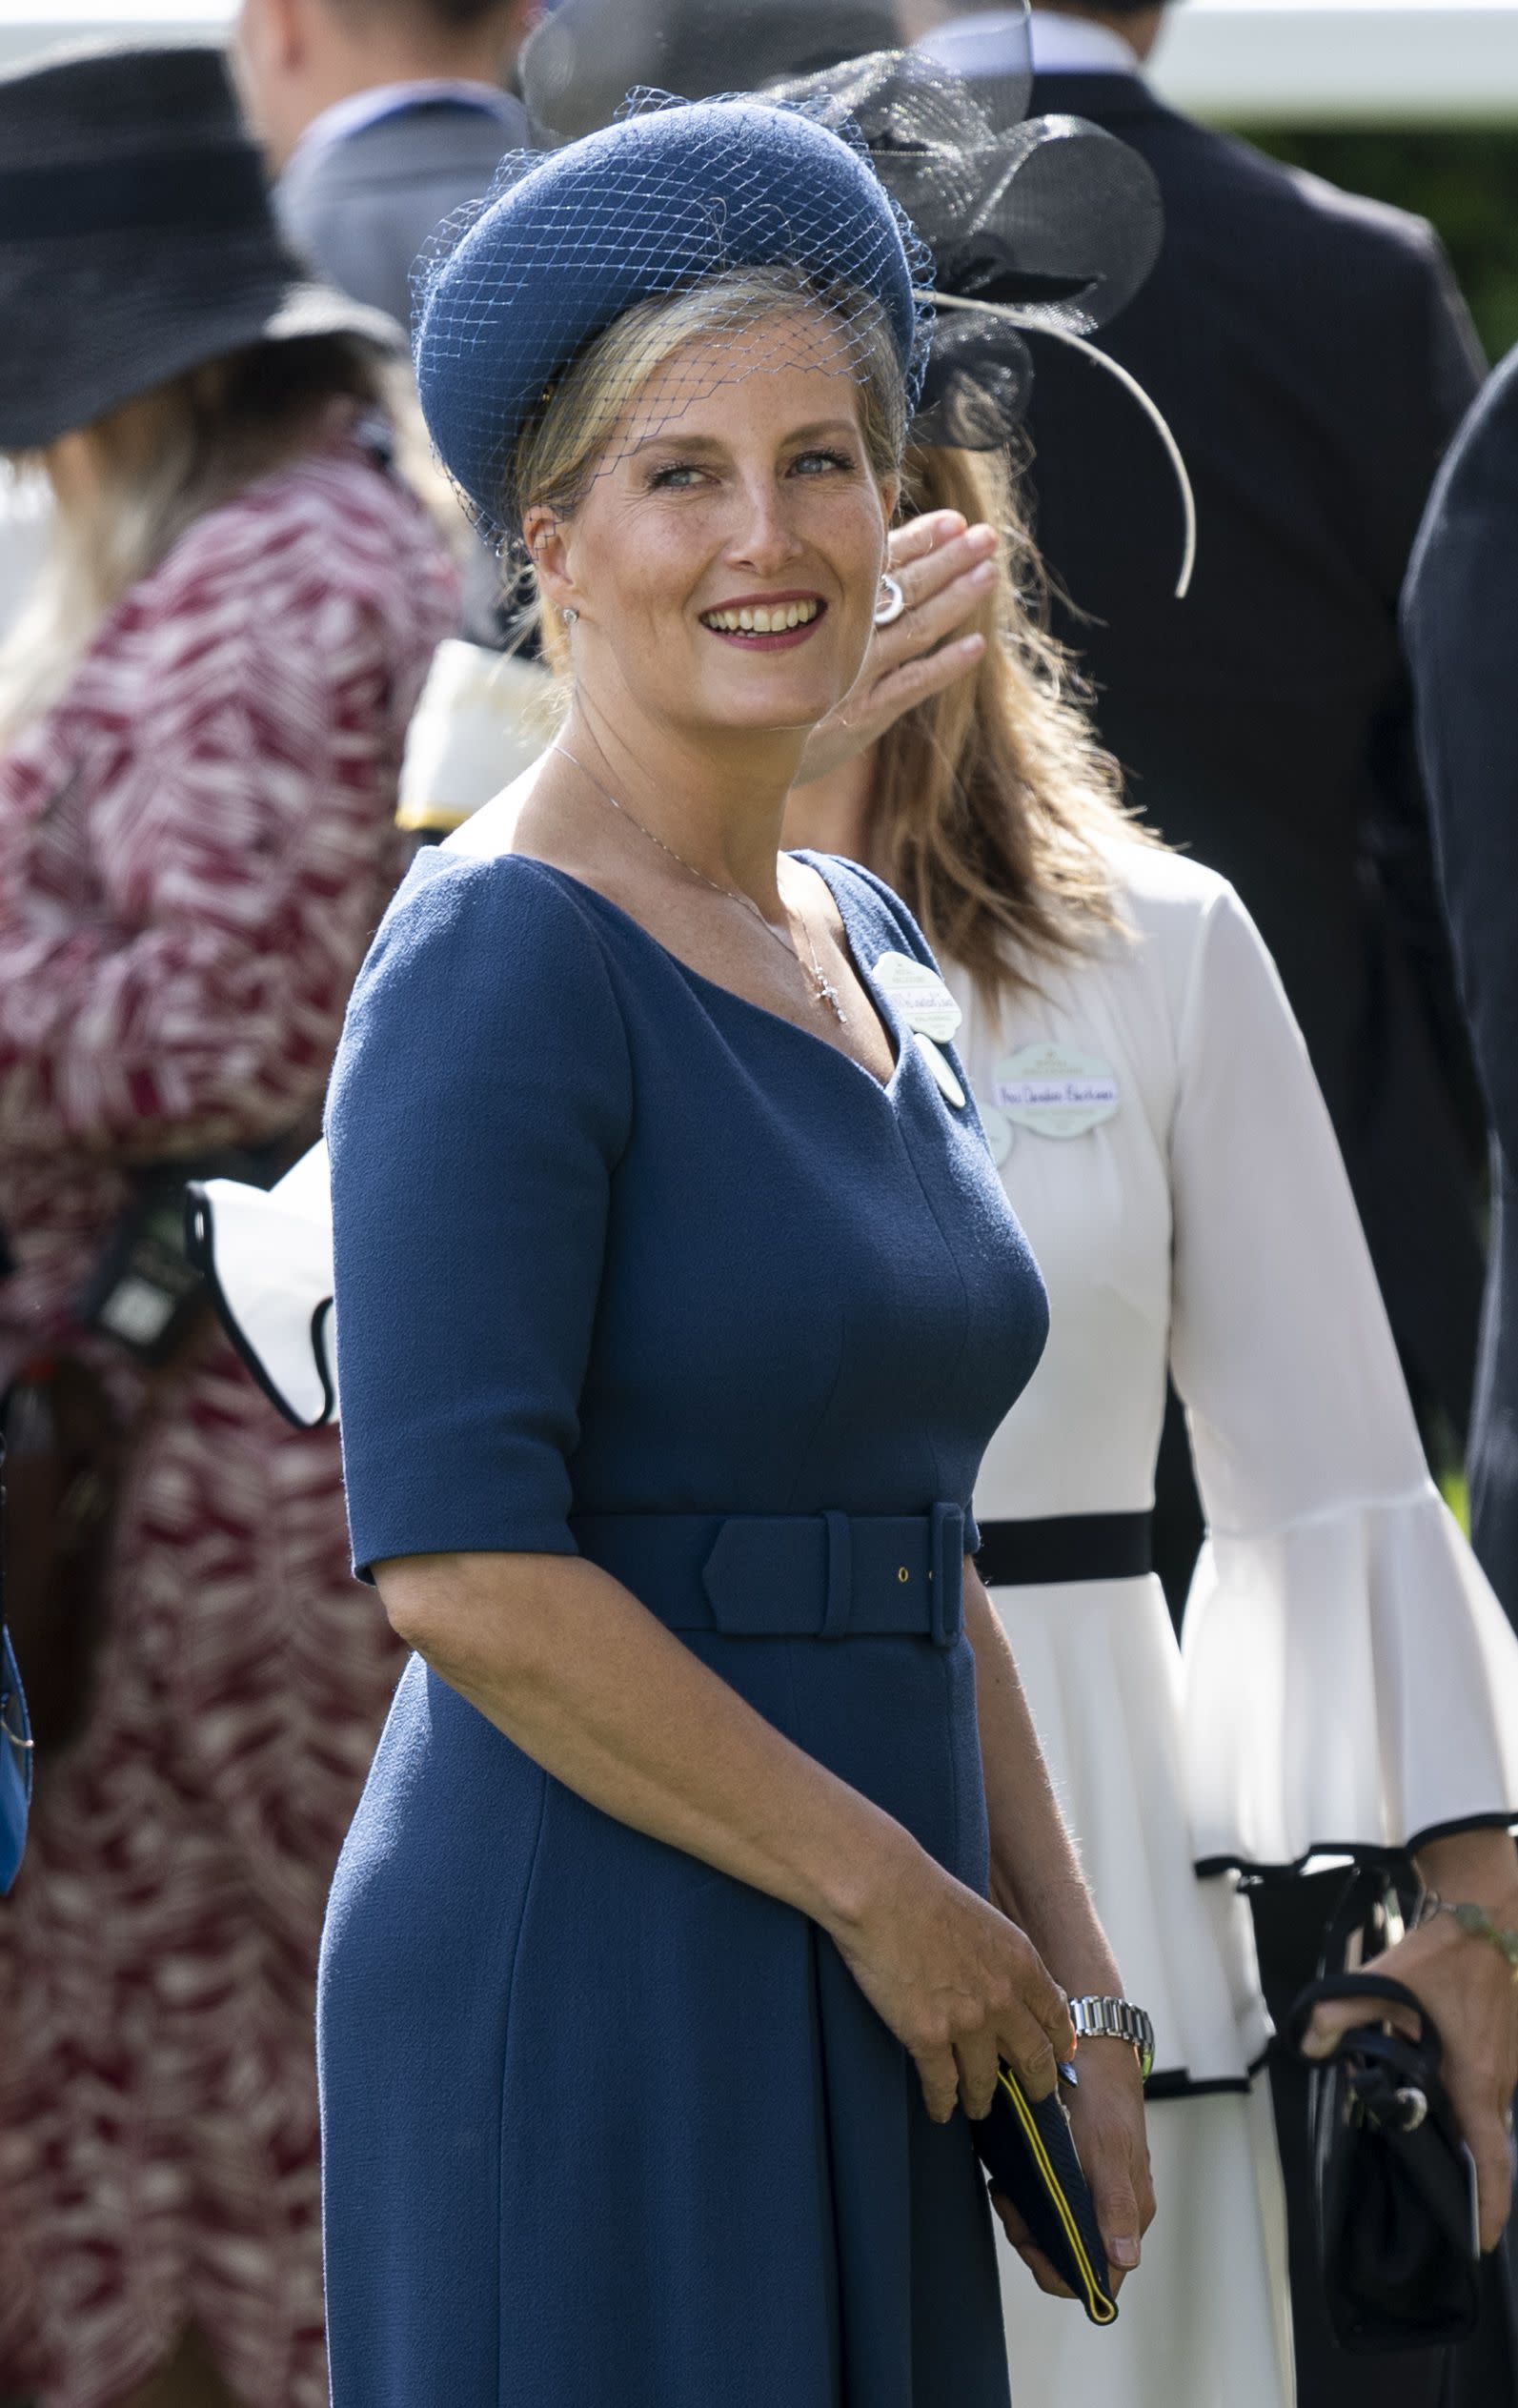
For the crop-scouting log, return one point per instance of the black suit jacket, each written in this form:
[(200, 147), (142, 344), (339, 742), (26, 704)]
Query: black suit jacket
[(1313, 357), (1462, 626)]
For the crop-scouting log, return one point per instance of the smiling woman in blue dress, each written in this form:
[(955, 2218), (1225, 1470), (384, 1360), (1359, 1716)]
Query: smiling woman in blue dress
[(677, 1298)]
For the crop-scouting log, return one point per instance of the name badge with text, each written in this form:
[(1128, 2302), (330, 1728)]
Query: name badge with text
[(920, 995), (1055, 1090)]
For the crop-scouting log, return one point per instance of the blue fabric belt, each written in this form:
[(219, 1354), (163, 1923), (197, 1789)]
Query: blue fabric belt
[(789, 1575)]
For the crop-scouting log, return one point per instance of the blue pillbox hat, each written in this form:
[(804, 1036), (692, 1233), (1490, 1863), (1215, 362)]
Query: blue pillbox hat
[(657, 204)]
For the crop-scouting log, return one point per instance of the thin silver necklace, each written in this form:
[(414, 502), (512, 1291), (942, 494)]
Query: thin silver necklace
[(825, 992)]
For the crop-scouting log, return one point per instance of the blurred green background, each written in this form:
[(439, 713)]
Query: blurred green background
[(1464, 178)]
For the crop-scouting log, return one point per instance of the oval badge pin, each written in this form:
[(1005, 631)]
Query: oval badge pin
[(920, 995)]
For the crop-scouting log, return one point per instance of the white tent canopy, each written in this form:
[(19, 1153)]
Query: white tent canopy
[(1340, 61), (1343, 62)]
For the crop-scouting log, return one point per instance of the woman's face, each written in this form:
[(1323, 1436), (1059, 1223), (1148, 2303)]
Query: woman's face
[(726, 560)]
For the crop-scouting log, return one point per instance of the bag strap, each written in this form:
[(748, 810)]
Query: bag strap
[(1369, 1986)]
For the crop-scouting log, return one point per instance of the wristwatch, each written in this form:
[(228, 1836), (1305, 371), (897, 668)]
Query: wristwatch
[(1115, 2020)]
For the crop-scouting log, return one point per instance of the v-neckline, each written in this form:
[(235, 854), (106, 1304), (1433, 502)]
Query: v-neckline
[(895, 1032)]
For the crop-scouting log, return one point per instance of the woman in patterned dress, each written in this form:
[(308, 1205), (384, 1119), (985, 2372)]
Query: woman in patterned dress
[(201, 729)]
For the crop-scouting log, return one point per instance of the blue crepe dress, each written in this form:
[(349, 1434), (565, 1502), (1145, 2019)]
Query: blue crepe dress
[(629, 1266)]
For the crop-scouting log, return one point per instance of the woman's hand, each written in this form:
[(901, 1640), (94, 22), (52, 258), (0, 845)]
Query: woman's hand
[(1467, 1988), (1106, 2117), (962, 1987), (946, 572)]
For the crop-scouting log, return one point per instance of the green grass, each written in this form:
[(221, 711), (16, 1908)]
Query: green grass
[(1457, 1497)]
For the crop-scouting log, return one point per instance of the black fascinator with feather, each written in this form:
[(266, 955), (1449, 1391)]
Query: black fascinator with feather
[(1042, 227)]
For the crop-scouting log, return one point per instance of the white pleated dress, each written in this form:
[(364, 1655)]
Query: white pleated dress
[(1348, 1680)]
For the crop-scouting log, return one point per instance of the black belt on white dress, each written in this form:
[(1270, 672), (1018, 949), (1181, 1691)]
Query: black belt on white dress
[(1066, 1547)]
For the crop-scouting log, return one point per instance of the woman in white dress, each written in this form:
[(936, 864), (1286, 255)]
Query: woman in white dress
[(1349, 1682)]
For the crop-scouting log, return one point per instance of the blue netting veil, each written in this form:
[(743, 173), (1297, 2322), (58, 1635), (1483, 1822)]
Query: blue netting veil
[(675, 198)]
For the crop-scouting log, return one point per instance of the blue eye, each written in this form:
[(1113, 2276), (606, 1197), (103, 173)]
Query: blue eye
[(677, 478), (683, 476)]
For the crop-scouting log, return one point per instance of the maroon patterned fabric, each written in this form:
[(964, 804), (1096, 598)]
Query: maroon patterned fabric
[(195, 844)]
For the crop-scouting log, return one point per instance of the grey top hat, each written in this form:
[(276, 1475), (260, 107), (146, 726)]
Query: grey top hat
[(136, 240)]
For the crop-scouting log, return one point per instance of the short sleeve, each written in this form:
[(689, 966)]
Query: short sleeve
[(479, 1106)]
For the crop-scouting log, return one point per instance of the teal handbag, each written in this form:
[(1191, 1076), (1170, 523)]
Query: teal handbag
[(16, 1745), (16, 1767)]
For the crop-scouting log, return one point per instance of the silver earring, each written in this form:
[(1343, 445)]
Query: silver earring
[(891, 605), (572, 619)]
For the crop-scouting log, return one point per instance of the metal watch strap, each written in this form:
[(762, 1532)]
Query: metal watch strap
[(1115, 2020)]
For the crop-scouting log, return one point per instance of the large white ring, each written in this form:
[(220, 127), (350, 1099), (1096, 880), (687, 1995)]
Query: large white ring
[(891, 605)]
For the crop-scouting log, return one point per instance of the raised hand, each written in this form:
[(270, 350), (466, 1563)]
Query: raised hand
[(947, 571)]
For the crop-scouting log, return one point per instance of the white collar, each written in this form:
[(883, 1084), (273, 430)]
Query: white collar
[(361, 109), (1061, 46)]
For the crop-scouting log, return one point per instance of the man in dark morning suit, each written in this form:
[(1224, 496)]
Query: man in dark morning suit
[(1460, 618), (1461, 622), (1313, 357), (380, 117)]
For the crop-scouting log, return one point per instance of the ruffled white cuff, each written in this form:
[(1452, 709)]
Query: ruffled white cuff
[(1352, 1686), (269, 1260)]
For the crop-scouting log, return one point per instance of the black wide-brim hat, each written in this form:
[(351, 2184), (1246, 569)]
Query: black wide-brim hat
[(136, 237)]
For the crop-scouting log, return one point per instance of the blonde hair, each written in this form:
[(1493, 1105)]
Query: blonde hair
[(157, 464), (563, 445), (993, 806)]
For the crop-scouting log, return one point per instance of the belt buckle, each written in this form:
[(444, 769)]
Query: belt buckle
[(946, 1575)]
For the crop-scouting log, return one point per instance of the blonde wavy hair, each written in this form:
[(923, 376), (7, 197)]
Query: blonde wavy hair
[(160, 462), (993, 807)]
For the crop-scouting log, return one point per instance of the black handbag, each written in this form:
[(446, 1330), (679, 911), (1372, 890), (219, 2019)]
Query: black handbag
[(65, 1448), (1028, 2150), (1394, 2183), (69, 1443)]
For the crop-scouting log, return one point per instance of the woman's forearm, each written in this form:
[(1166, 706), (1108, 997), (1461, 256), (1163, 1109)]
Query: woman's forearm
[(590, 1685), (1036, 1876), (593, 1688)]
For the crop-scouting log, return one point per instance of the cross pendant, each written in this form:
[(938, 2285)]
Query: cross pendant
[(827, 994)]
